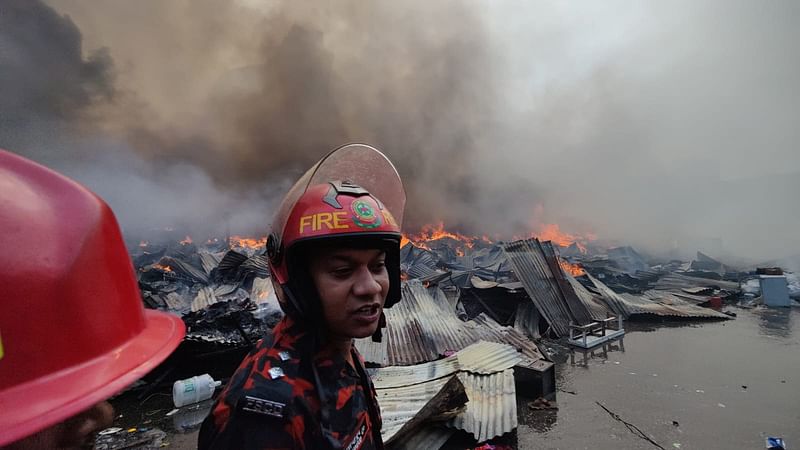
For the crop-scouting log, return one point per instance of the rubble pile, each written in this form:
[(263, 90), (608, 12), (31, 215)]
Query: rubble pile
[(466, 301)]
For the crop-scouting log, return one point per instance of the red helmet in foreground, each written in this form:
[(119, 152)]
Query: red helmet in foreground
[(352, 197), (73, 330)]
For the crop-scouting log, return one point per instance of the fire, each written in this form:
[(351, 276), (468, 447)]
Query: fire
[(430, 233), (552, 232), (187, 240), (162, 267), (247, 242), (573, 269)]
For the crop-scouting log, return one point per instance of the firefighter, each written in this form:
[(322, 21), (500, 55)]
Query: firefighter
[(73, 331), (334, 258)]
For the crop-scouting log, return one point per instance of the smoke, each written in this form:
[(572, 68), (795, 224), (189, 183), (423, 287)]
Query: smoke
[(670, 127)]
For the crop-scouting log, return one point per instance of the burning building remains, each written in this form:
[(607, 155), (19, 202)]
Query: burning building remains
[(465, 340)]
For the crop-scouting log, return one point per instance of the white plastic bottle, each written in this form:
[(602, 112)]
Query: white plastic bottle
[(193, 390)]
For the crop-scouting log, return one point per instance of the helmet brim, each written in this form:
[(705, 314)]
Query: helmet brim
[(33, 406)]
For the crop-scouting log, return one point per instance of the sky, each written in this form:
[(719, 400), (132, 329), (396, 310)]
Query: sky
[(669, 126)]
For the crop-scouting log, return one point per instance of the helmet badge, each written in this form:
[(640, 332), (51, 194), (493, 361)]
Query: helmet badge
[(364, 215)]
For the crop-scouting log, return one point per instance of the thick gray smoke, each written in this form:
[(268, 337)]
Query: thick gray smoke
[(671, 127)]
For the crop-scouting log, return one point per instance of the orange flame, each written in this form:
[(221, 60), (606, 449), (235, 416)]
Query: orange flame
[(552, 232), (248, 242), (430, 233), (573, 269), (187, 240), (164, 268)]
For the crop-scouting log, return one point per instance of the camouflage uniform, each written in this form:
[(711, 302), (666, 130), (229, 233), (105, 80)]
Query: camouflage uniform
[(272, 400)]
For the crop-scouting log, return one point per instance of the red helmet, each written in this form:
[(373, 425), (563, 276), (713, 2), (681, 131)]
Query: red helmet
[(73, 330), (354, 196)]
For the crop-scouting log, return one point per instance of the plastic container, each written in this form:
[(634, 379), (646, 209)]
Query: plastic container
[(193, 390)]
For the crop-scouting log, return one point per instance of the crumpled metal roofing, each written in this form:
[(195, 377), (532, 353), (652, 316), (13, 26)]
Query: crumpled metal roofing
[(597, 308), (407, 407), (481, 358), (492, 407), (661, 304), (209, 261), (207, 296), (489, 330), (537, 274), (676, 281), (487, 357), (420, 329), (397, 376), (184, 270), (486, 373)]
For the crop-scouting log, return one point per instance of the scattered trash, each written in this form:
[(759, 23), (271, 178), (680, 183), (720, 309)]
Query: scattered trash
[(172, 412), (774, 443), (133, 439), (108, 431), (193, 390)]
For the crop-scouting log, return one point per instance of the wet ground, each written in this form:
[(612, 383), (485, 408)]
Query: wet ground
[(718, 385), (721, 385)]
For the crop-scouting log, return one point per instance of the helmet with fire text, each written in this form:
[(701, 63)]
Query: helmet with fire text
[(352, 197), (73, 329)]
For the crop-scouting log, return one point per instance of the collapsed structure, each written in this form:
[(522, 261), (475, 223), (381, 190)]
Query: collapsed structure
[(462, 344)]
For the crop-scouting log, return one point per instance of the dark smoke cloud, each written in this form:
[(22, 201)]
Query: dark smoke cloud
[(44, 76), (672, 127)]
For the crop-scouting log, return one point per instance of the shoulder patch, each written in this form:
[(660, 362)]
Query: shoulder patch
[(261, 406)]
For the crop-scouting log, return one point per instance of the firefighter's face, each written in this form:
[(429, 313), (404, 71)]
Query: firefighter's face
[(352, 285)]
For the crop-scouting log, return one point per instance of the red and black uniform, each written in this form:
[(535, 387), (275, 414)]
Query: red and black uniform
[(277, 399)]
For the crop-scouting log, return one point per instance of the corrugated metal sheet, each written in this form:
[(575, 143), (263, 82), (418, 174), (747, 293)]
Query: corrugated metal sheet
[(397, 376), (492, 407), (612, 299), (205, 297), (487, 357), (665, 305), (578, 310), (597, 308), (209, 261), (676, 281), (489, 330), (531, 267), (405, 408), (184, 270), (421, 329), (257, 265)]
